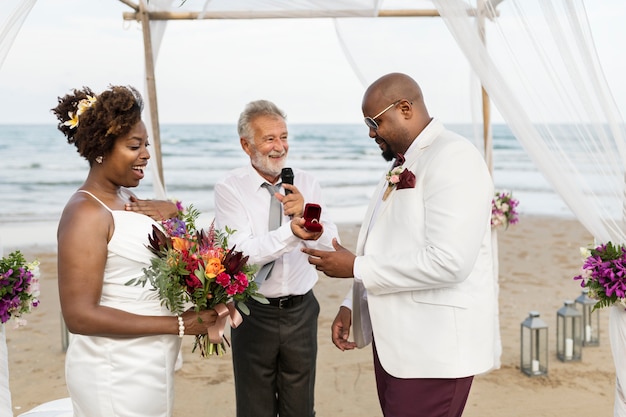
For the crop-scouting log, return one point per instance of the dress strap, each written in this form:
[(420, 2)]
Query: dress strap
[(96, 198)]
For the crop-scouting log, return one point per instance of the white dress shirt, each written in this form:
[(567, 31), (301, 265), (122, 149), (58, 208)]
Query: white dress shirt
[(242, 204)]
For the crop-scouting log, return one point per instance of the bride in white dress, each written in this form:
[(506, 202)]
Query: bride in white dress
[(122, 354)]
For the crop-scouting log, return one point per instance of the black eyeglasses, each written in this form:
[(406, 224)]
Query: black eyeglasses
[(371, 122)]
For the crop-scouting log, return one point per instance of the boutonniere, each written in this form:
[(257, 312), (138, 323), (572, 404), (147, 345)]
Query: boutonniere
[(399, 178)]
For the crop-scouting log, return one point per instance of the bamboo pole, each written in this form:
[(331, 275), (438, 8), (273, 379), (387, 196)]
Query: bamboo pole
[(151, 87), (487, 133), (168, 15)]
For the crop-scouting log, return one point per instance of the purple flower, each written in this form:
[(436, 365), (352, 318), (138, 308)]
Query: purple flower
[(604, 274), (503, 211), (16, 280), (175, 227)]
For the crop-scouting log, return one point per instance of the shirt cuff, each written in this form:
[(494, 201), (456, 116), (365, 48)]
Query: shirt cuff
[(356, 269), (347, 301)]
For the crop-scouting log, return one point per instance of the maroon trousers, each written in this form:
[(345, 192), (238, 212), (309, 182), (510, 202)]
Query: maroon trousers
[(420, 397)]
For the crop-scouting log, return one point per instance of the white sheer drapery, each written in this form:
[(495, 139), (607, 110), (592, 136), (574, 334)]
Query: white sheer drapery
[(228, 9), (5, 393), (541, 71), (157, 31), (9, 30), (12, 25)]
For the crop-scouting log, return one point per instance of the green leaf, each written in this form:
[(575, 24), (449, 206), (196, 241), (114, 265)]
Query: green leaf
[(243, 307), (260, 298)]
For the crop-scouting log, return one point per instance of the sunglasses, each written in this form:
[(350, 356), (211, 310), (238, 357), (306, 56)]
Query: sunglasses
[(371, 122)]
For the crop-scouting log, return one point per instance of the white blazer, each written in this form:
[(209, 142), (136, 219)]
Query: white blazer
[(425, 261)]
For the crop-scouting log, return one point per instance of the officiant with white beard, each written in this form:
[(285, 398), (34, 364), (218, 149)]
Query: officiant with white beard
[(275, 347)]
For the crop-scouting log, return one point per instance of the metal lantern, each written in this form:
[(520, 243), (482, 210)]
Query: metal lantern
[(534, 345), (590, 323), (568, 333)]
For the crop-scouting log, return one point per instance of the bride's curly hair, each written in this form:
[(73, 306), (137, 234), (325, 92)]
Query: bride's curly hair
[(107, 116)]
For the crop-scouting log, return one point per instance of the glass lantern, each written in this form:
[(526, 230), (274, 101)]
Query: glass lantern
[(569, 333), (534, 345), (591, 319)]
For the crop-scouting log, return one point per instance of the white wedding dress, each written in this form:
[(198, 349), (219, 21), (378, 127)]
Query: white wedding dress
[(122, 376)]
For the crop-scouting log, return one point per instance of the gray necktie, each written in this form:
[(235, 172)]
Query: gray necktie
[(274, 221)]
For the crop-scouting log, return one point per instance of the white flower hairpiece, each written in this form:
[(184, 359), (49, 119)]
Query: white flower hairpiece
[(83, 105)]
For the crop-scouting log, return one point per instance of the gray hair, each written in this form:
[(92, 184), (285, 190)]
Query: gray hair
[(253, 110)]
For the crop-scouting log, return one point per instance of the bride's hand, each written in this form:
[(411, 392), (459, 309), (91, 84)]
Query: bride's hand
[(157, 209), (198, 323)]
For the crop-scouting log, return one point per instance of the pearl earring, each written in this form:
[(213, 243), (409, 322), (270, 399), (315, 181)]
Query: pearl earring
[(99, 159)]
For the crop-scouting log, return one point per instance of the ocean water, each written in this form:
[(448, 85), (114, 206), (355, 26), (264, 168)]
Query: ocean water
[(39, 170)]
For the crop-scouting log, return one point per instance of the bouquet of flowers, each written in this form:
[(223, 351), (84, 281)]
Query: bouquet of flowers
[(19, 287), (604, 274), (503, 211), (198, 267)]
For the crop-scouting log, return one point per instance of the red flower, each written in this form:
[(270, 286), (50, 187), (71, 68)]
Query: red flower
[(223, 279), (192, 281), (158, 241), (234, 261), (242, 279)]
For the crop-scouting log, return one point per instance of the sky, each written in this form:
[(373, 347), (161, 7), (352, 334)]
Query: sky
[(208, 70)]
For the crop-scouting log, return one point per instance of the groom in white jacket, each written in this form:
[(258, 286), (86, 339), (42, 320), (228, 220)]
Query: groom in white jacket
[(423, 286)]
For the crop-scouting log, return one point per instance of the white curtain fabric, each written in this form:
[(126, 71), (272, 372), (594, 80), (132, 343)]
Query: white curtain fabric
[(8, 32), (157, 31), (541, 71), (617, 335), (242, 9), (12, 25), (5, 393)]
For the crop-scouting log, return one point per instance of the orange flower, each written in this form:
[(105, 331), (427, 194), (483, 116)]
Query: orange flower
[(213, 267), (180, 244)]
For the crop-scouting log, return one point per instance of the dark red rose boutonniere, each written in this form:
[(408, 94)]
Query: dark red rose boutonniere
[(399, 178)]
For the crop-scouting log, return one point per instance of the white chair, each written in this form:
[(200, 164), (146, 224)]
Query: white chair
[(56, 408)]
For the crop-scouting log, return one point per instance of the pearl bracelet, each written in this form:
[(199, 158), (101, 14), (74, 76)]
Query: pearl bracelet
[(181, 327)]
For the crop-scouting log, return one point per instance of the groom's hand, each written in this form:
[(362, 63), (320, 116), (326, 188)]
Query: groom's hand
[(340, 330), (336, 264)]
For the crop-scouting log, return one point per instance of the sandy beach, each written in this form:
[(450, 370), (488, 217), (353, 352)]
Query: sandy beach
[(537, 259)]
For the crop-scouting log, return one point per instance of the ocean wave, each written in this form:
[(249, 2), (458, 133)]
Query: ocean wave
[(40, 171)]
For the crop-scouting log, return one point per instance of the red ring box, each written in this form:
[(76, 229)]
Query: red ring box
[(311, 216)]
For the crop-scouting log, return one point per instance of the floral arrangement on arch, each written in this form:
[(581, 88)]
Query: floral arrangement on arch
[(503, 210), (19, 287), (198, 267), (604, 274)]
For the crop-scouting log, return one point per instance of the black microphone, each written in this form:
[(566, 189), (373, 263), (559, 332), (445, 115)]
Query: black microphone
[(286, 176)]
